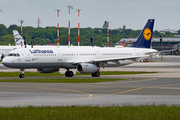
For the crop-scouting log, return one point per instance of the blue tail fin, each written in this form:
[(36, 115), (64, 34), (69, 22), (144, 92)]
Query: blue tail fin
[(144, 39)]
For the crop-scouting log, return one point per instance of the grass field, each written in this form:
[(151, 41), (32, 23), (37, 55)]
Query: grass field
[(64, 80), (145, 112), (33, 74)]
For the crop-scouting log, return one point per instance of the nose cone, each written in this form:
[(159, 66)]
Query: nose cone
[(7, 62)]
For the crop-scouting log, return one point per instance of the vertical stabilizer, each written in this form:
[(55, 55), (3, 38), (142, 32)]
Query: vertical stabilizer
[(18, 38), (144, 39)]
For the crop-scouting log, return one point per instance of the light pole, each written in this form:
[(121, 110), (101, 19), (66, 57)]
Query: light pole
[(58, 26), (70, 7), (161, 46), (21, 30)]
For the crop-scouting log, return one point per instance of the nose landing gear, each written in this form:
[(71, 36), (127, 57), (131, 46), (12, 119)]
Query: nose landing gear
[(22, 73)]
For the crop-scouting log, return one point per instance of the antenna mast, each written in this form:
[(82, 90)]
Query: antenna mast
[(78, 25), (58, 26), (70, 7), (107, 34), (21, 31), (38, 22)]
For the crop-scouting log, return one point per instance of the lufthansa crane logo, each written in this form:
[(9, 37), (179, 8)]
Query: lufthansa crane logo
[(147, 34)]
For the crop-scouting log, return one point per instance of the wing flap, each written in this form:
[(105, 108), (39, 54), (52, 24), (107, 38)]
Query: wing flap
[(134, 58)]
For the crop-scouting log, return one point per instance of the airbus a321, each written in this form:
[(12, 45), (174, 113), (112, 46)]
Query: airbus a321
[(83, 59)]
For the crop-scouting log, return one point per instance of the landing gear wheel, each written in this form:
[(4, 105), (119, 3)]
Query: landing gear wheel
[(21, 75), (93, 74), (96, 74), (69, 74)]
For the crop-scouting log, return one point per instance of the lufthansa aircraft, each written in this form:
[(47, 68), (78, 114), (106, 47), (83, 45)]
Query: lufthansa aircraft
[(83, 59)]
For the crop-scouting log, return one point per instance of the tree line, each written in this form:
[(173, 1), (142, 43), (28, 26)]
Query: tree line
[(48, 35)]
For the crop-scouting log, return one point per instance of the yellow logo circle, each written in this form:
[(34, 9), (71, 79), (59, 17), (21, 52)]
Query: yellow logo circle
[(147, 34)]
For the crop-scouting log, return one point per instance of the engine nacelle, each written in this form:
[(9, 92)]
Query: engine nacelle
[(87, 68), (47, 70), (2, 56)]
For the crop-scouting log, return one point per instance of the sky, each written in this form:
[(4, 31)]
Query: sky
[(131, 13)]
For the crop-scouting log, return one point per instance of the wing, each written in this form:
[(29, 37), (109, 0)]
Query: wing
[(133, 58)]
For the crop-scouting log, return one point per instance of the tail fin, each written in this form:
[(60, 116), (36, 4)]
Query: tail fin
[(144, 39), (18, 38)]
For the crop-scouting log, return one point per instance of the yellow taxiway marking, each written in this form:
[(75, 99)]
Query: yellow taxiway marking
[(89, 95), (127, 81), (135, 90)]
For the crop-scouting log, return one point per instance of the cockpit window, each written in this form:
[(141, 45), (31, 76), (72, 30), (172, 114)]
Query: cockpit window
[(14, 54)]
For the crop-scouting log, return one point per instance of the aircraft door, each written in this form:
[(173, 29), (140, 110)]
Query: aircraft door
[(59, 55), (27, 54), (97, 55)]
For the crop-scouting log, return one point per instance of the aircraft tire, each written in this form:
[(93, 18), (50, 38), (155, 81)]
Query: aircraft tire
[(21, 75), (69, 74), (93, 75), (96, 74)]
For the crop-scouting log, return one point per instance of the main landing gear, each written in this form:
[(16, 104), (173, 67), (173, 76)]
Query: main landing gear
[(22, 73), (69, 73), (96, 74)]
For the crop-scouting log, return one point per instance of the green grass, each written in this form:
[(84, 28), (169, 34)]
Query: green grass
[(33, 74), (145, 112), (62, 80)]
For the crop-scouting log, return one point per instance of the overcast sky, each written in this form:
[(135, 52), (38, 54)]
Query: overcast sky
[(132, 13)]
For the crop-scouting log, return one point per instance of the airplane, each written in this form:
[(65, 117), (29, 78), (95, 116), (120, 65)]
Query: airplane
[(83, 59)]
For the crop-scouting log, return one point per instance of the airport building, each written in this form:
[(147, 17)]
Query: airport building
[(168, 43)]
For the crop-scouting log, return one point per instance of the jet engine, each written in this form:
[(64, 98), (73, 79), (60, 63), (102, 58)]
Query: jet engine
[(47, 70), (2, 56), (87, 68)]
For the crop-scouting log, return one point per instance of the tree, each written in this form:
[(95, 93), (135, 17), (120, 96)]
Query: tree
[(3, 30), (42, 42), (156, 33), (11, 28), (9, 39), (63, 39), (50, 36)]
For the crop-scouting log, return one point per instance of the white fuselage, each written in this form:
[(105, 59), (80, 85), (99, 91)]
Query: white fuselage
[(4, 50), (66, 57)]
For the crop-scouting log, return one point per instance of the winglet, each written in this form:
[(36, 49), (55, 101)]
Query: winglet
[(18, 38), (144, 39)]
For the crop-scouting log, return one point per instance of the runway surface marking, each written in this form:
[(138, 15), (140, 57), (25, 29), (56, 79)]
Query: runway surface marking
[(136, 89), (129, 81), (90, 95)]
